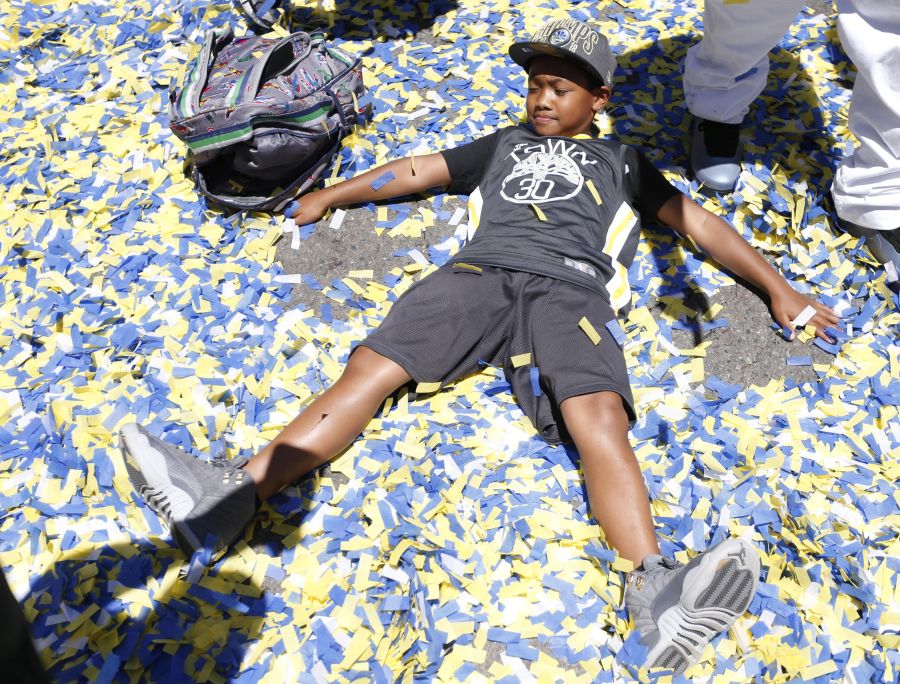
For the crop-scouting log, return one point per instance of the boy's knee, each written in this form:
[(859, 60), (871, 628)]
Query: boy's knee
[(604, 411), (366, 364)]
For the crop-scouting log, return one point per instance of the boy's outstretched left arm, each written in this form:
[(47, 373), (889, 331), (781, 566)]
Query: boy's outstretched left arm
[(717, 238), (406, 176)]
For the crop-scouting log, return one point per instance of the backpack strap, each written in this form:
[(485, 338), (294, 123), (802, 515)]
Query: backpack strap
[(247, 88), (186, 102)]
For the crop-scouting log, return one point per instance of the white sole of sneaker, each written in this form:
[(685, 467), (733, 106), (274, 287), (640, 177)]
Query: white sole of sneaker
[(715, 593), (152, 465)]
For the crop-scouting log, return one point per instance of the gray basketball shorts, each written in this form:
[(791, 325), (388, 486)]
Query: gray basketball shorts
[(462, 317)]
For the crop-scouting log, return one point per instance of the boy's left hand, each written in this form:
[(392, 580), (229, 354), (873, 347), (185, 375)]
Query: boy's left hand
[(787, 304), (307, 209)]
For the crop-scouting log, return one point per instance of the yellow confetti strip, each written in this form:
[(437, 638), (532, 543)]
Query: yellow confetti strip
[(589, 330), (596, 195), (520, 360), (538, 212)]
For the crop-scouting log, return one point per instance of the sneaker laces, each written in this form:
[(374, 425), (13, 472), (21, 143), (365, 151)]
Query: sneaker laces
[(642, 587), (660, 564), (234, 467), (637, 579), (234, 463), (720, 139)]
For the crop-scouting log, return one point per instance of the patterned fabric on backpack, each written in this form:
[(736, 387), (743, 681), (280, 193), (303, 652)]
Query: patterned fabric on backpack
[(263, 117)]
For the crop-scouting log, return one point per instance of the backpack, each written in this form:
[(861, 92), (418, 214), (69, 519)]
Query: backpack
[(263, 117)]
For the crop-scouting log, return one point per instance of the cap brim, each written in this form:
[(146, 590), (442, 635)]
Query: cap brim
[(523, 53)]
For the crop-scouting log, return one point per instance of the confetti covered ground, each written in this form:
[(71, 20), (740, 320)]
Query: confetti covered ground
[(448, 543)]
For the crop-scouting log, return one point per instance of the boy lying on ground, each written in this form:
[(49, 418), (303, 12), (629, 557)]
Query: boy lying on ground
[(558, 227)]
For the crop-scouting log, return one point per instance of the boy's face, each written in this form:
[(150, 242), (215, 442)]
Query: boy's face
[(560, 99)]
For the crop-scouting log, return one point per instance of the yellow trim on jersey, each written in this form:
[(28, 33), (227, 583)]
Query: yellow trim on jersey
[(620, 229), (474, 205), (618, 288)]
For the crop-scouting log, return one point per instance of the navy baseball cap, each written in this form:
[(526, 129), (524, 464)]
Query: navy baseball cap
[(569, 39)]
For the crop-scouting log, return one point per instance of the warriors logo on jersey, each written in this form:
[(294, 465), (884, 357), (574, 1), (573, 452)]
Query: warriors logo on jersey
[(543, 173)]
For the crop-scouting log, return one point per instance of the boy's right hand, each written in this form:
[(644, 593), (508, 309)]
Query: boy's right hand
[(308, 209)]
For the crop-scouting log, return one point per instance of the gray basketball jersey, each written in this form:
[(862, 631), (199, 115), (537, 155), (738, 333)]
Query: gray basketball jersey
[(562, 207)]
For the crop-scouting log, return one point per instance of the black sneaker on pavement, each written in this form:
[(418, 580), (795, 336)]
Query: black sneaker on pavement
[(678, 609), (206, 505), (715, 157)]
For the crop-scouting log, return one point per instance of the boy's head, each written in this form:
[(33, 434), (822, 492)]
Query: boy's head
[(570, 69)]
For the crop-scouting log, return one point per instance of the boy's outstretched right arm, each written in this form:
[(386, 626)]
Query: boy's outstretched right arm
[(400, 177), (723, 243)]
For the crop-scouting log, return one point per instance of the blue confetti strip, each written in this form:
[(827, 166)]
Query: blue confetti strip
[(382, 180)]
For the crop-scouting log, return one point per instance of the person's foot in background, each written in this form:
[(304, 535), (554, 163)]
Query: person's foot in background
[(715, 156), (883, 244)]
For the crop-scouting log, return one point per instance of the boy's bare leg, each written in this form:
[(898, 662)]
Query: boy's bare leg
[(598, 424), (329, 424)]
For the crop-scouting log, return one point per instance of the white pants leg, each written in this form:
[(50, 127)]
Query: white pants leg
[(727, 70), (866, 187)]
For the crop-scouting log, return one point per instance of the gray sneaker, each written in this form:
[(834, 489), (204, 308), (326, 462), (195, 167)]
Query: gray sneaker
[(206, 505), (678, 609), (715, 157)]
